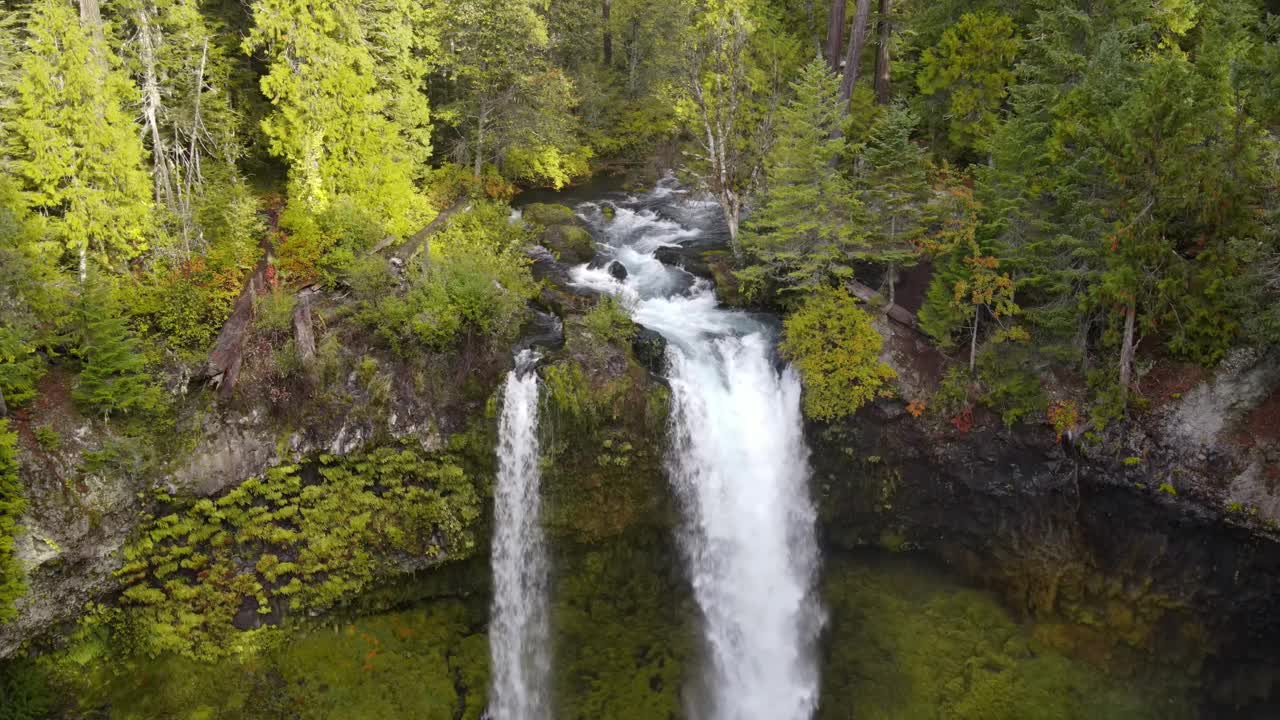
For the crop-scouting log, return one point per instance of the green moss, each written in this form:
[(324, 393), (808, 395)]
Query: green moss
[(429, 663), (906, 644), (547, 214), (624, 630), (296, 539)]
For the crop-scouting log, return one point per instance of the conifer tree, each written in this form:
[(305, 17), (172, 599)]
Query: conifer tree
[(807, 231), (113, 377), (895, 190), (969, 74), (330, 120), (75, 146)]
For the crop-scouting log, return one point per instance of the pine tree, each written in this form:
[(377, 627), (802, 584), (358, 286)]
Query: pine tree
[(807, 231), (516, 107), (75, 146), (330, 122), (113, 376), (895, 190), (969, 74)]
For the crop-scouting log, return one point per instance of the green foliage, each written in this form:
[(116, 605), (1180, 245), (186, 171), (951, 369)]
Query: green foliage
[(76, 150), (609, 323), (807, 230), (969, 73), (914, 645), (1010, 382), (428, 661), (47, 437), (516, 108), (293, 540), (895, 188), (13, 504), (476, 282), (113, 376), (321, 245), (337, 122), (831, 342)]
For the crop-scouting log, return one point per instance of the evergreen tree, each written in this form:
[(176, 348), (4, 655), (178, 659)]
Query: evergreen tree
[(12, 505), (807, 231), (515, 107), (967, 284), (74, 144), (113, 377), (895, 190), (330, 122), (969, 73)]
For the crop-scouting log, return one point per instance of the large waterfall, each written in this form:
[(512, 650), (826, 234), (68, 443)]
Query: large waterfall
[(738, 462), (519, 634)]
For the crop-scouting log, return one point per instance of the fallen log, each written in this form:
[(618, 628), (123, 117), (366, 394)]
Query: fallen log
[(897, 313)]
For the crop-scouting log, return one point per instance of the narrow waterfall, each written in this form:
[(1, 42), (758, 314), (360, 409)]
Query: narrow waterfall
[(738, 463), (519, 635)]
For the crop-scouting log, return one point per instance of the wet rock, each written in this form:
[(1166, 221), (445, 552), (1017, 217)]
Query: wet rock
[(650, 349), (569, 243), (618, 270), (547, 215), (691, 260)]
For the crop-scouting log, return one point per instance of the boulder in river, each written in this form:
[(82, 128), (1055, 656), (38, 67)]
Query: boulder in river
[(618, 271), (650, 348), (547, 215), (570, 243), (690, 259)]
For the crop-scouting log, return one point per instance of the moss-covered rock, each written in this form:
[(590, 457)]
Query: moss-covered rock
[(625, 629), (906, 643), (429, 662), (604, 432), (547, 214), (570, 244), (300, 538)]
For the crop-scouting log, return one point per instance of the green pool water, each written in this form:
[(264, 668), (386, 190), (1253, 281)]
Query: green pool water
[(904, 641)]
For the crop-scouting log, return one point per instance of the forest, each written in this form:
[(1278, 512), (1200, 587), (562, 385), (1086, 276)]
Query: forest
[(1074, 199)]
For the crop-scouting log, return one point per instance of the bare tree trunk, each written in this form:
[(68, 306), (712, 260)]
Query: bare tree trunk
[(885, 29), (4, 409), (1127, 350), (304, 336), (151, 107), (973, 341), (835, 34), (857, 43), (608, 34), (91, 18)]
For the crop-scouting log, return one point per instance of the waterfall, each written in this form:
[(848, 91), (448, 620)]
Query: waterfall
[(738, 463), (519, 635)]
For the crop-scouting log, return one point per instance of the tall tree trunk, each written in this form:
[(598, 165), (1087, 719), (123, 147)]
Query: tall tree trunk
[(91, 19), (973, 340), (1127, 350), (4, 409), (857, 43), (835, 34), (885, 30), (608, 33), (151, 108)]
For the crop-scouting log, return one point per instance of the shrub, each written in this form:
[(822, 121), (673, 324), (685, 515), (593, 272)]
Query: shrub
[(476, 280), (831, 342)]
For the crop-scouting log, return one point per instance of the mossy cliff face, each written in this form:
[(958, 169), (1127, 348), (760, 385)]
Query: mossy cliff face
[(1120, 574)]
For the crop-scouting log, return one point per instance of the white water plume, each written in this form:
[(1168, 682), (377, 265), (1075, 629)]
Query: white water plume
[(519, 632), (738, 463)]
